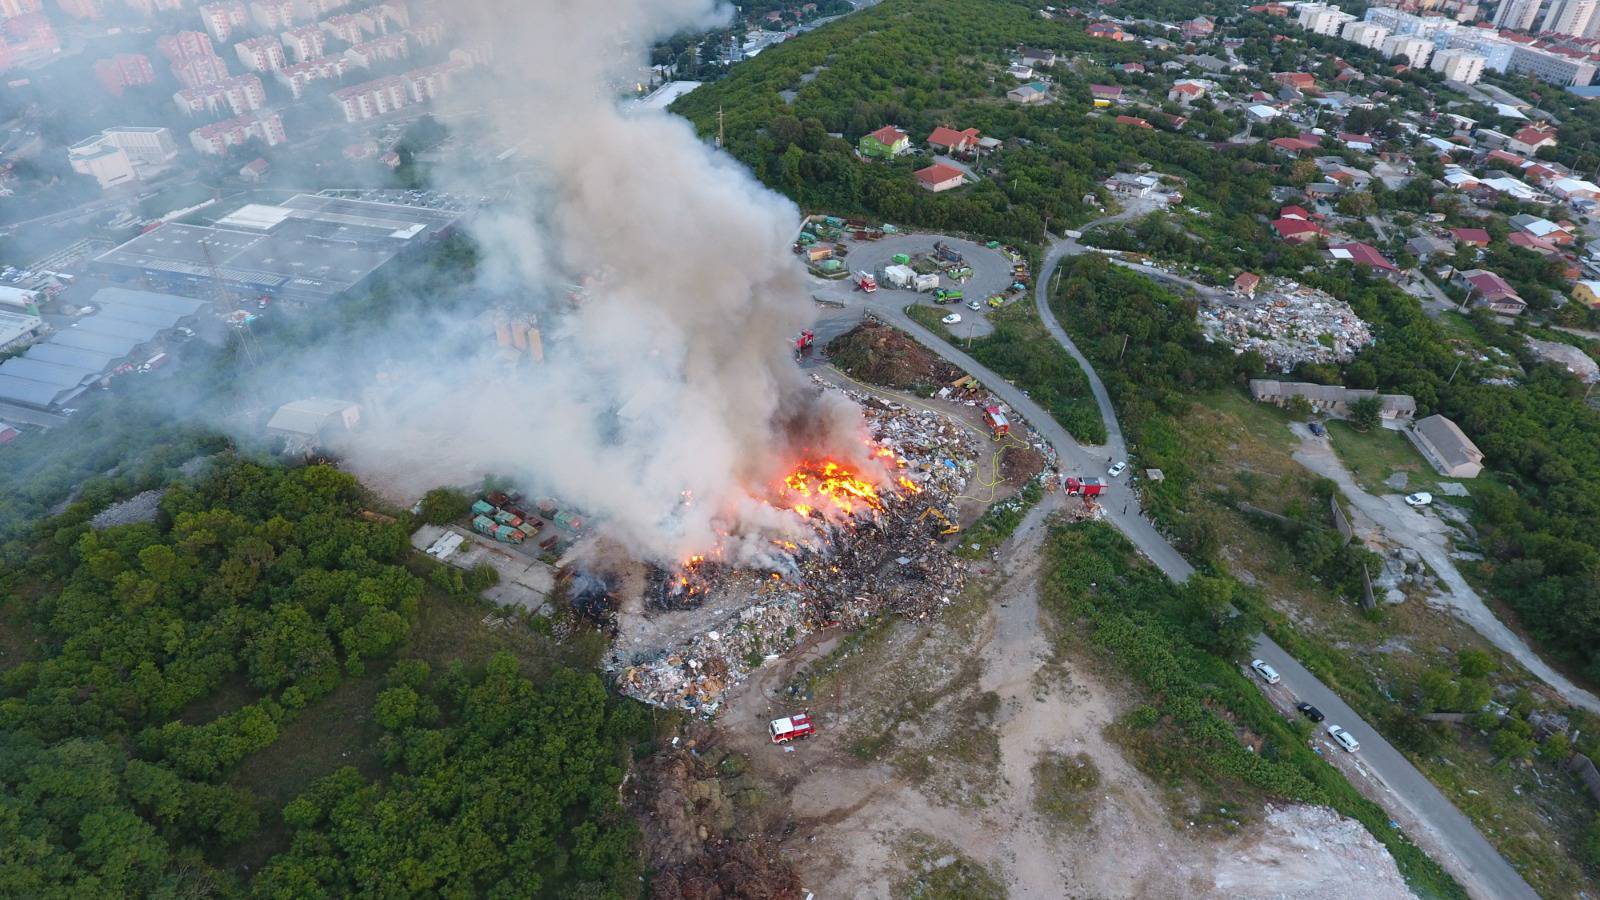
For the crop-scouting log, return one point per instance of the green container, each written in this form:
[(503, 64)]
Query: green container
[(993, 245), (901, 259), (482, 508), (830, 265), (890, 229)]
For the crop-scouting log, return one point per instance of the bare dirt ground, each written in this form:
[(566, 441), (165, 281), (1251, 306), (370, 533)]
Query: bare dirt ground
[(933, 732), (1389, 519)]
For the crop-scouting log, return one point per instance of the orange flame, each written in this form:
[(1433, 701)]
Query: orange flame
[(831, 486)]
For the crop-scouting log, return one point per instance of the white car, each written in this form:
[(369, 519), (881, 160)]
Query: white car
[(974, 305), (1267, 673), (1344, 739), (1420, 498), (952, 319), (1117, 469)]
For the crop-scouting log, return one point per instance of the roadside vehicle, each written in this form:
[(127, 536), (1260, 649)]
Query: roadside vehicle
[(1344, 739), (952, 319), (791, 728), (1309, 711), (1419, 499), (1267, 673), (1117, 469)]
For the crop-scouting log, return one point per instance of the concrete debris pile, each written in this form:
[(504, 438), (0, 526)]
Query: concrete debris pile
[(888, 561), (1288, 324)]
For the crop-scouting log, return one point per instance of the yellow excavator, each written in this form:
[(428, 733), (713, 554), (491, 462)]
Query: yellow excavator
[(949, 526)]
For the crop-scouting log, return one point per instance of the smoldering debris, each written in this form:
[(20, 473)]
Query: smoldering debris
[(884, 560)]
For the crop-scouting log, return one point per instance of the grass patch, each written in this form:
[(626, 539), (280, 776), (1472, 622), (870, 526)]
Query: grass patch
[(1371, 456), (1021, 351), (938, 871), (1063, 785), (998, 522)]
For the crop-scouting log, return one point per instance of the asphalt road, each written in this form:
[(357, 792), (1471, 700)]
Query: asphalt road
[(1452, 838)]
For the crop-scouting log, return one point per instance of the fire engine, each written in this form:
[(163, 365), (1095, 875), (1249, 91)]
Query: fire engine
[(996, 420), (791, 728), (1086, 487), (802, 344), (866, 282)]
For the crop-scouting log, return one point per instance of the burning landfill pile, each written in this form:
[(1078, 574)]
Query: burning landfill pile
[(1288, 324), (872, 548)]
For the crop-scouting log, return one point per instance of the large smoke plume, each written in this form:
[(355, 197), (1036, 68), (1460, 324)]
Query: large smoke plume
[(670, 393)]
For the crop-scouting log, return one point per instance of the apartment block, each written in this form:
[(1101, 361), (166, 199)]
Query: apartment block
[(305, 42), (125, 70), (426, 34), (272, 15), (1553, 68), (10, 9), (1364, 34), (1318, 18), (261, 54), (1415, 50), (1458, 65), (379, 49), (85, 10), (373, 98), (216, 138), (300, 75), (222, 20), (238, 96)]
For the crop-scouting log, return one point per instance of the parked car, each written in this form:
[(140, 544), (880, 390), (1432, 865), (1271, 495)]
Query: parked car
[(1309, 711), (1419, 499), (1344, 739), (1267, 673), (952, 319), (974, 305), (1317, 429), (1117, 469)]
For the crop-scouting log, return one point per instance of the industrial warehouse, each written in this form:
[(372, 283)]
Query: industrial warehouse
[(308, 249), (49, 374)]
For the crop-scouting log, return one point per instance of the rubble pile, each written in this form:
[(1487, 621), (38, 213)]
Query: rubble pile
[(888, 559), (1288, 324)]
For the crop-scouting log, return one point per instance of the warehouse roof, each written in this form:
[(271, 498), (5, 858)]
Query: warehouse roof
[(307, 417)]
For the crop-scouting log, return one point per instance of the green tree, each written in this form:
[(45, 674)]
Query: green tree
[(1365, 412), (441, 506)]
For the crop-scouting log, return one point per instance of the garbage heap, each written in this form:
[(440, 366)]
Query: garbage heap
[(1288, 324), (890, 561)]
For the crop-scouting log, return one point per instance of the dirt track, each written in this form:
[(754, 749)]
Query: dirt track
[(851, 816)]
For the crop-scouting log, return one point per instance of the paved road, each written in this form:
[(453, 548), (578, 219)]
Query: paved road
[(1452, 838)]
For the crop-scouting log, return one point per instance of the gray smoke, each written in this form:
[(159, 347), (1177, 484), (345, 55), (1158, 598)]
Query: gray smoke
[(668, 395)]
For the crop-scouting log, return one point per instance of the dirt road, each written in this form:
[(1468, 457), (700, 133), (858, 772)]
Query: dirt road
[(1429, 537)]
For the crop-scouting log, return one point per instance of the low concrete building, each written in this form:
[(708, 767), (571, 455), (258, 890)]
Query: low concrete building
[(1446, 447), (310, 424), (1333, 400), (940, 177), (1030, 93)]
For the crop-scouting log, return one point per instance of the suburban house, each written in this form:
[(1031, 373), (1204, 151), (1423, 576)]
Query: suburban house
[(1032, 92), (1133, 68), (1363, 255), (1105, 94), (1300, 81), (1260, 113), (1298, 231), (1426, 246), (948, 140), (1135, 121), (1295, 212), (1394, 410), (1540, 228), (1186, 92), (1530, 139), (1473, 237), (940, 177), (1107, 31), (1587, 293), (1028, 56), (1490, 290), (1539, 245), (1246, 283), (885, 143), (1294, 146), (1575, 189), (1021, 72), (1446, 448), (1131, 185), (1361, 143)]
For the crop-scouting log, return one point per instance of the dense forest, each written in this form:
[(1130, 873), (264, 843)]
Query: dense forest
[(146, 662)]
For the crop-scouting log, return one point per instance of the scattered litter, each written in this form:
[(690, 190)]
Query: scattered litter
[(1287, 323)]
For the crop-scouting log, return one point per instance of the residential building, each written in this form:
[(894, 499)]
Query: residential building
[(1260, 114), (125, 70), (304, 42), (200, 71), (1364, 34), (254, 170), (372, 98), (1186, 91), (1135, 121), (948, 140), (1246, 283), (1543, 229), (1575, 189), (216, 138), (1300, 81), (183, 45), (1364, 255), (1108, 31), (1426, 246), (430, 82), (1029, 56), (1105, 94), (1021, 72), (379, 49), (261, 54), (1587, 293), (1495, 50), (1030, 93), (1298, 231), (885, 143), (1415, 50), (1489, 290), (272, 15), (10, 9), (85, 10), (1319, 18), (352, 28), (27, 38), (298, 76), (1458, 65), (940, 177), (427, 34), (1569, 17), (1530, 139), (1552, 68), (1516, 15), (223, 19), (1131, 185), (239, 95), (1198, 27), (1472, 237), (1446, 448)]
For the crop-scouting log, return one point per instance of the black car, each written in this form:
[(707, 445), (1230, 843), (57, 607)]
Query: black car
[(1317, 429), (1309, 711)]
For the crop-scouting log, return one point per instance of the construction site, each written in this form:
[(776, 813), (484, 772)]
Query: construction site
[(1287, 323)]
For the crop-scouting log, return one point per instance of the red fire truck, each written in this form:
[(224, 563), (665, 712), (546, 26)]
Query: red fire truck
[(865, 282), (791, 728), (1086, 487), (996, 420), (802, 344)]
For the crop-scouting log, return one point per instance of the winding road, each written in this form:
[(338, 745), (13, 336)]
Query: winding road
[(1434, 822)]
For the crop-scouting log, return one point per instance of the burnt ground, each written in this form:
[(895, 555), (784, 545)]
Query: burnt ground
[(882, 355)]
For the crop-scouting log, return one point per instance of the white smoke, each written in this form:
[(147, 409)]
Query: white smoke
[(669, 394)]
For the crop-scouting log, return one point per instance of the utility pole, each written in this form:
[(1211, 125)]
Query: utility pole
[(1124, 347), (1453, 373), (719, 126)]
